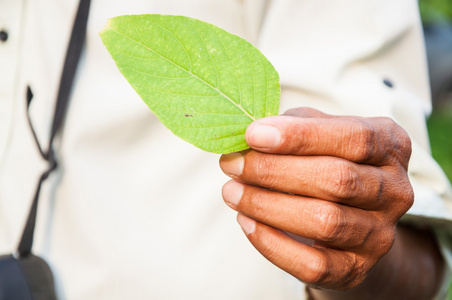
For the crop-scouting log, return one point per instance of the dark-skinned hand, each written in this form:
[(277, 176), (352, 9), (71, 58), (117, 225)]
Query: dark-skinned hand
[(320, 196)]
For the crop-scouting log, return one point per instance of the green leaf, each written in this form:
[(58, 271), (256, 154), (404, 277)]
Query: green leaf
[(205, 84)]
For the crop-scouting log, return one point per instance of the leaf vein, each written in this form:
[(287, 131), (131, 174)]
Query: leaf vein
[(158, 76), (139, 34), (235, 71), (213, 62), (254, 88), (199, 113), (189, 95), (178, 40), (194, 75)]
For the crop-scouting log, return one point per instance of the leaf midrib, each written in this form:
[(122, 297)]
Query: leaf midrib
[(192, 74)]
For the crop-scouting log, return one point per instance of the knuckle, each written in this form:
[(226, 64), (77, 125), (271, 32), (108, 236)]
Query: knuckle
[(399, 140), (405, 198), (409, 197), (331, 223), (274, 250), (270, 245), (402, 136), (351, 273), (404, 145), (303, 112), (296, 112), (386, 240), (343, 180), (402, 192), (364, 143), (256, 207), (264, 169), (362, 235), (357, 273), (387, 123), (317, 270)]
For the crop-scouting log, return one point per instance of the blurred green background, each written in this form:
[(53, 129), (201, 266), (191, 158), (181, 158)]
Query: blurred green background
[(437, 20), (435, 10), (440, 131)]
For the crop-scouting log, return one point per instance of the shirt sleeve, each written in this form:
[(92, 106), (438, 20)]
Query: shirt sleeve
[(364, 58)]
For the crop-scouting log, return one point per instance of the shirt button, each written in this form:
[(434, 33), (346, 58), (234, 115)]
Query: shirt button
[(3, 36), (388, 83)]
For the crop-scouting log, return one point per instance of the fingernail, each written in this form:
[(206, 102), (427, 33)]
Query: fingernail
[(248, 225), (263, 136), (232, 164), (232, 193)]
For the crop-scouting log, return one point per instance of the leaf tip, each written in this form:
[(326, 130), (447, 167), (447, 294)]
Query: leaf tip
[(106, 27)]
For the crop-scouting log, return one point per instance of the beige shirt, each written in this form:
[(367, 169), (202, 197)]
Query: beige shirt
[(136, 213)]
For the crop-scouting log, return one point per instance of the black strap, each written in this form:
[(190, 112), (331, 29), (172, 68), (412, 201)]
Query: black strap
[(70, 65)]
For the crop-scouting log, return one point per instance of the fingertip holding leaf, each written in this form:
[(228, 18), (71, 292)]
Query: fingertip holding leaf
[(205, 84)]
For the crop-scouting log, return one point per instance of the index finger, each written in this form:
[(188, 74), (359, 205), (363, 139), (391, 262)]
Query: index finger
[(375, 141)]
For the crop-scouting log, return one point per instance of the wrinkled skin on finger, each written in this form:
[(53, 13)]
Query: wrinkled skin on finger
[(339, 184)]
